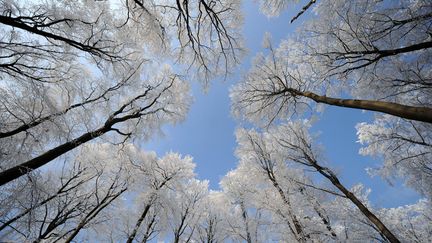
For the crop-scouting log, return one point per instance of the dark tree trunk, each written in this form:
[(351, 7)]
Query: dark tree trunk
[(24, 168), (138, 223)]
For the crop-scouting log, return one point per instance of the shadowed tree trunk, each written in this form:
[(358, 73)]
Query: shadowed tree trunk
[(26, 167), (18, 23)]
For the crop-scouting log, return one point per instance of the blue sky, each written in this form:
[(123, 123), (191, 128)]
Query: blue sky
[(207, 134)]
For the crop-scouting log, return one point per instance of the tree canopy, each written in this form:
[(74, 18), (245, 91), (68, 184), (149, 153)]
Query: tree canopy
[(83, 84)]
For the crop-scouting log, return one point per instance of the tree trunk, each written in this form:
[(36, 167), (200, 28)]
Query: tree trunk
[(365, 211), (149, 230), (17, 23), (245, 219), (300, 235), (320, 211), (24, 168), (138, 223), (423, 114)]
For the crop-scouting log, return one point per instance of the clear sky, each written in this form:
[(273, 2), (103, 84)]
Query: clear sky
[(207, 134)]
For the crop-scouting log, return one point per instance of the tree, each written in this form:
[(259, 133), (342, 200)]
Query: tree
[(405, 148), (412, 222), (37, 200), (258, 157), (297, 145), (246, 218), (99, 185), (213, 226), (88, 187), (184, 208), (100, 69), (374, 55), (83, 83), (144, 108), (290, 145), (350, 46), (154, 179)]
